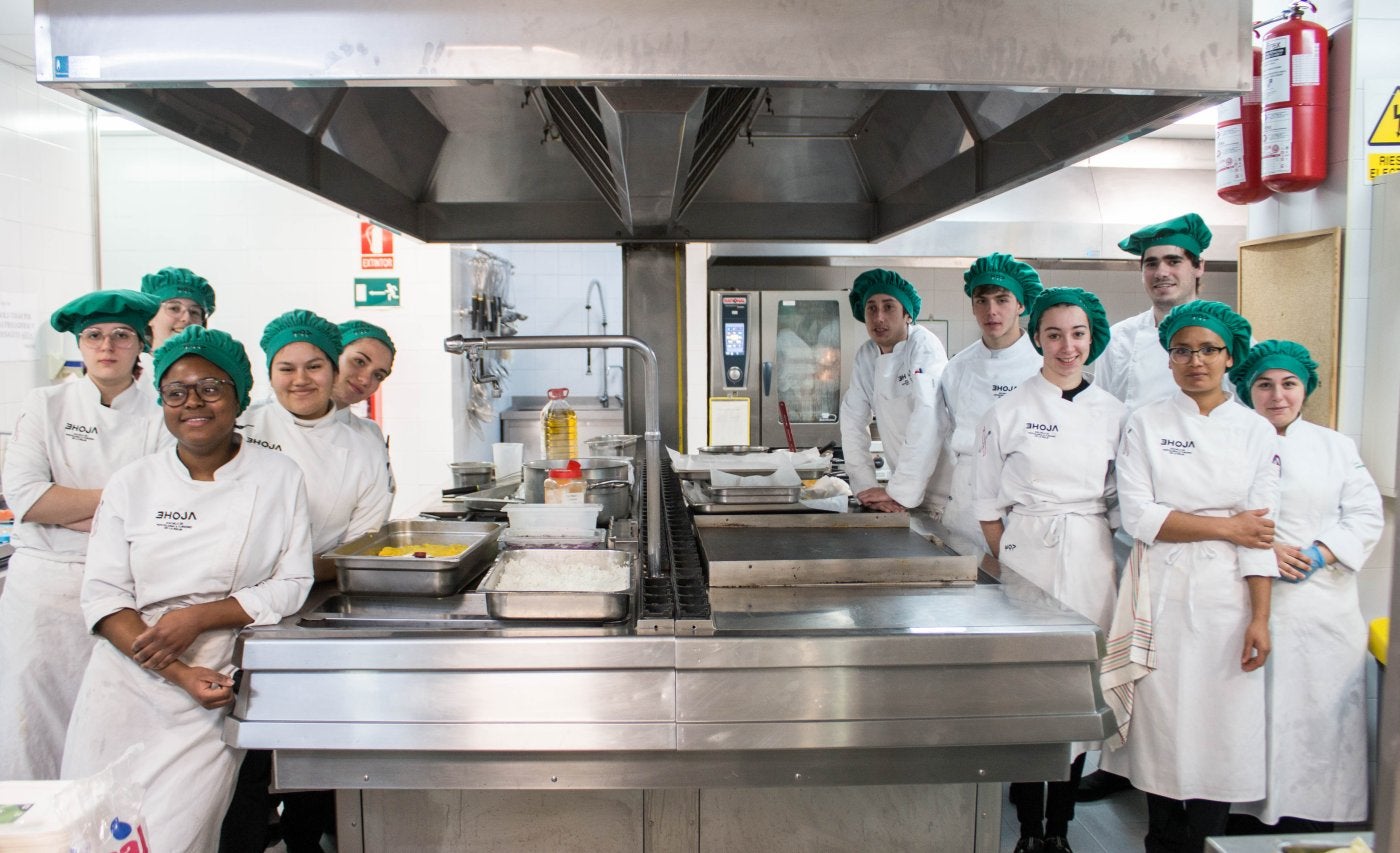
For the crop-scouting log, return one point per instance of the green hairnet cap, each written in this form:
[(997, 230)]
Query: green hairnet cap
[(871, 282), (1217, 316), (1188, 232), (301, 325), (354, 330), (107, 306), (218, 347), (1000, 270), (1093, 309), (179, 283), (1270, 355)]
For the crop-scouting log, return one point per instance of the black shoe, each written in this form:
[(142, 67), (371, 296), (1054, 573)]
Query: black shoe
[(1100, 784), (1056, 844), (1029, 844)]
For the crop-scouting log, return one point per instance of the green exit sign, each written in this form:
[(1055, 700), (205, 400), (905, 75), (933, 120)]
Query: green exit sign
[(376, 292)]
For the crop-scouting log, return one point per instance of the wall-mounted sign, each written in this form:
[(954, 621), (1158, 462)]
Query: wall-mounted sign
[(376, 292), (1385, 133), (376, 247)]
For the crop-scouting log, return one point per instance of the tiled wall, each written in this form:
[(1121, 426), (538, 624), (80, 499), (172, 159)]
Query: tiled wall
[(267, 249), (47, 243)]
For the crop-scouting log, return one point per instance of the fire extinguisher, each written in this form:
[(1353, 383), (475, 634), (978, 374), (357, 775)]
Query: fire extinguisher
[(1237, 177), (1294, 83)]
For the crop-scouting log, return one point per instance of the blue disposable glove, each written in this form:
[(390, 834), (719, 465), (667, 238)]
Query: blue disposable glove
[(1315, 560)]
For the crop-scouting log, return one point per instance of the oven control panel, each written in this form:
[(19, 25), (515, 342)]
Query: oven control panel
[(734, 332)]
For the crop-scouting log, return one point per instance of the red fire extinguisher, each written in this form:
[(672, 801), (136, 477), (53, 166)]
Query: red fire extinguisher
[(1294, 84), (1237, 177)]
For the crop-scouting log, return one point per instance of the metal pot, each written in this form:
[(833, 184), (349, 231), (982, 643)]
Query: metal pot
[(616, 501), (472, 474), (625, 446)]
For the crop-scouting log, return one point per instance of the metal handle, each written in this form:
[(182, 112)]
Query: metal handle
[(767, 377), (608, 484)]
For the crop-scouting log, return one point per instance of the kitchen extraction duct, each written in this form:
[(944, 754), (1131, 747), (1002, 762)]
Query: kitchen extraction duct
[(651, 121)]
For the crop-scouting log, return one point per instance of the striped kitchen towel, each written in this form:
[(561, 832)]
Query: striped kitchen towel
[(1131, 650)]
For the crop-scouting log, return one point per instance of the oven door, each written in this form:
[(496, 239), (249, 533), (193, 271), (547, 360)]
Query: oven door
[(807, 343)]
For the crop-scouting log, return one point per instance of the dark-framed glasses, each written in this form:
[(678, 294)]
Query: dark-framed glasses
[(120, 338), (209, 390), (1182, 355)]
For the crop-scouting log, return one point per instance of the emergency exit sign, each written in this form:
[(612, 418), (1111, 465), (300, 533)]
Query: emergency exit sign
[(376, 292)]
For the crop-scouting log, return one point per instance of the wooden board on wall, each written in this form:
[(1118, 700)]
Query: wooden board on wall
[(1291, 289)]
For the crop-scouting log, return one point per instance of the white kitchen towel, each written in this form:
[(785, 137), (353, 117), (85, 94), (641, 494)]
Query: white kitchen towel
[(1131, 650)]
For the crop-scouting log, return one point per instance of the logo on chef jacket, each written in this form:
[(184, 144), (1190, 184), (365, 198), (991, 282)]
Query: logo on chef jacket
[(80, 432), (175, 519), (1000, 391), (1035, 430), (906, 379), (261, 443), (1177, 446)]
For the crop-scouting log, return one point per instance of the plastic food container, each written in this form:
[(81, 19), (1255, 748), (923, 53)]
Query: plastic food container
[(553, 519)]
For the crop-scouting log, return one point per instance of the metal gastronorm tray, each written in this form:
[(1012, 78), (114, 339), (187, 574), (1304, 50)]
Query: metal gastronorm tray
[(752, 494), (505, 599), (360, 569)]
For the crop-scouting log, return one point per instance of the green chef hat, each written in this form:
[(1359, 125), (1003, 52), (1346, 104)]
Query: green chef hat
[(1268, 355), (354, 330), (107, 306), (1002, 270), (218, 347), (178, 282), (1093, 309), (301, 325), (1217, 316), (1188, 232), (871, 282)]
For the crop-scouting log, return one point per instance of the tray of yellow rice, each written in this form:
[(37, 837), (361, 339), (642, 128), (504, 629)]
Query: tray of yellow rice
[(416, 557)]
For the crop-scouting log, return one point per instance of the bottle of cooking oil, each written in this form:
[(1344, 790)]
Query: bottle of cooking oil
[(560, 426)]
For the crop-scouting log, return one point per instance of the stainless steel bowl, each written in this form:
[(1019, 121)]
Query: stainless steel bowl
[(472, 474)]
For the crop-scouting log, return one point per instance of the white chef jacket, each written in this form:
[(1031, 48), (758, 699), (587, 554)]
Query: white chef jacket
[(347, 472), (64, 436), (1316, 673), (899, 390), (372, 431), (1196, 729), (1045, 465), (163, 541), (975, 378)]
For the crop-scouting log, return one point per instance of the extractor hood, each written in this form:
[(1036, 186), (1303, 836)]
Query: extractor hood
[(649, 120)]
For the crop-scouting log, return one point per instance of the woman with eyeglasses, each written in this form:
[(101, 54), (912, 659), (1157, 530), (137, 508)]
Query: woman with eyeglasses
[(347, 477), (186, 299), (1329, 522), (188, 546), (67, 442), (1198, 485)]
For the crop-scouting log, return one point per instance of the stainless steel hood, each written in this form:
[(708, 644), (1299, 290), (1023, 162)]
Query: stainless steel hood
[(649, 120)]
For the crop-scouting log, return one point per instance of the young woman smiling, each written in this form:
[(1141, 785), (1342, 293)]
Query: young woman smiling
[(67, 442), (188, 546), (1043, 487)]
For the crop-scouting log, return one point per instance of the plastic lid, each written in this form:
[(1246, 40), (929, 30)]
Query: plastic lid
[(558, 393), (564, 473)]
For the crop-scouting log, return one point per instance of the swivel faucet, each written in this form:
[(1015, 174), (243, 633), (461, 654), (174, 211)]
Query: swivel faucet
[(651, 397)]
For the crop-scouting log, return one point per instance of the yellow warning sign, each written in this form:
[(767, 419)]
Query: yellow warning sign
[(1387, 130), (1381, 164)]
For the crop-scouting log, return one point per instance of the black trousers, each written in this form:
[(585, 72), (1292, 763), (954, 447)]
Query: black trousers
[(1182, 826), (306, 815), (1046, 808)]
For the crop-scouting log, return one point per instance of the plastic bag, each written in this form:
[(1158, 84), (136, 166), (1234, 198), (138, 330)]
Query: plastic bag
[(111, 807)]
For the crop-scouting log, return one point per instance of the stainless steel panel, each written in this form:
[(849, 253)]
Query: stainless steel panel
[(352, 768), (882, 734), (460, 738), (988, 819), (672, 821), (807, 518), (291, 649), (799, 820), (504, 822), (886, 693), (787, 556), (462, 696)]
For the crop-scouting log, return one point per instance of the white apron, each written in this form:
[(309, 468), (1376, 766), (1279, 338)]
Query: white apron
[(1198, 719), (1316, 675), (347, 472), (163, 541), (974, 379), (1044, 466), (900, 391), (64, 436)]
